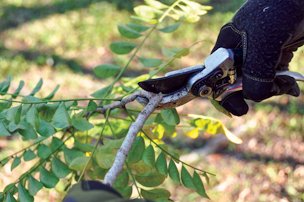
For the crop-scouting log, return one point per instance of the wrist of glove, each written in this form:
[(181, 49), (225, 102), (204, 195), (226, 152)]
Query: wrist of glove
[(268, 32)]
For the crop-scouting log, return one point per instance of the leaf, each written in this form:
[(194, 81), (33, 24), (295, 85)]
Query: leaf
[(122, 180), (105, 160), (194, 133), (103, 92), (52, 94), (28, 155), (220, 108), (19, 88), (187, 179), (31, 115), (150, 179), (126, 191), (146, 12), (149, 156), (4, 86), (161, 164), (83, 146), (4, 161), (170, 116), (71, 154), (92, 106), (156, 4), (45, 129), (56, 144), (128, 32), (170, 28), (137, 150), (3, 130), (43, 151), (60, 169), (47, 178), (173, 172), (61, 118), (150, 62), (176, 52), (15, 163), (81, 123), (5, 104), (122, 47), (138, 27), (79, 163), (10, 198), (34, 185), (155, 194), (23, 194), (28, 133), (106, 70), (199, 186), (31, 99), (37, 87), (206, 177)]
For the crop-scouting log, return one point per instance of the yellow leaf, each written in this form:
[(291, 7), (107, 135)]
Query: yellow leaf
[(194, 133), (231, 137)]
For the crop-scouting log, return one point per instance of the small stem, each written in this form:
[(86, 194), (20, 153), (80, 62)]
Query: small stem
[(133, 178)]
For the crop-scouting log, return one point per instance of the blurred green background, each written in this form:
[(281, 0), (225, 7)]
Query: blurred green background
[(62, 41)]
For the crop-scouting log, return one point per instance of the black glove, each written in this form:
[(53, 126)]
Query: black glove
[(268, 32)]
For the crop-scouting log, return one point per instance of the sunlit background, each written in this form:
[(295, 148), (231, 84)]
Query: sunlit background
[(62, 41)]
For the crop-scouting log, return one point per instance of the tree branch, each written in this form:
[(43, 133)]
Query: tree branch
[(154, 100)]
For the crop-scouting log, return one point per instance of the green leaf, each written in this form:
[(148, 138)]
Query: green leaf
[(176, 52), (71, 154), (17, 91), (149, 156), (15, 163), (10, 198), (161, 164), (137, 150), (220, 108), (3, 130), (155, 194), (52, 94), (23, 194), (61, 117), (34, 185), (28, 133), (106, 70), (150, 62), (31, 99), (187, 179), (79, 163), (56, 144), (28, 155), (122, 47), (126, 191), (81, 123), (43, 151), (128, 32), (47, 178), (4, 161), (170, 116), (92, 106), (10, 188), (150, 179), (170, 28), (83, 146), (138, 27), (122, 180), (37, 87), (173, 172), (105, 160), (4, 86), (103, 92), (60, 169), (5, 104), (206, 177), (45, 129), (31, 115), (199, 186)]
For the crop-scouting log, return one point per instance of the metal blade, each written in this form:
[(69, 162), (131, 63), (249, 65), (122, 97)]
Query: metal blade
[(170, 83)]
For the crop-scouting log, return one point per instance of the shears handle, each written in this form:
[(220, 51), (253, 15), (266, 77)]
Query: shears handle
[(237, 86)]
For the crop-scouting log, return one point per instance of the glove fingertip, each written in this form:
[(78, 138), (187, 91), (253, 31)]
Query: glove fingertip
[(235, 104)]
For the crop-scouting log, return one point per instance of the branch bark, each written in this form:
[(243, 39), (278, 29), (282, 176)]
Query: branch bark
[(154, 100)]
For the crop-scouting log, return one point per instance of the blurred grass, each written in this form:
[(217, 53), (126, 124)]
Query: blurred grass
[(62, 40)]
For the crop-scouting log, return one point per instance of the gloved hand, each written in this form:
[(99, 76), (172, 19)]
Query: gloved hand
[(268, 32)]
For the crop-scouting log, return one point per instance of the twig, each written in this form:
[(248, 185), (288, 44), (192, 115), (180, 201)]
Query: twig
[(122, 153)]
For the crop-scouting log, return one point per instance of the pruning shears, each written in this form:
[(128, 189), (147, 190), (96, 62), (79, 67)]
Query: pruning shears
[(216, 79)]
